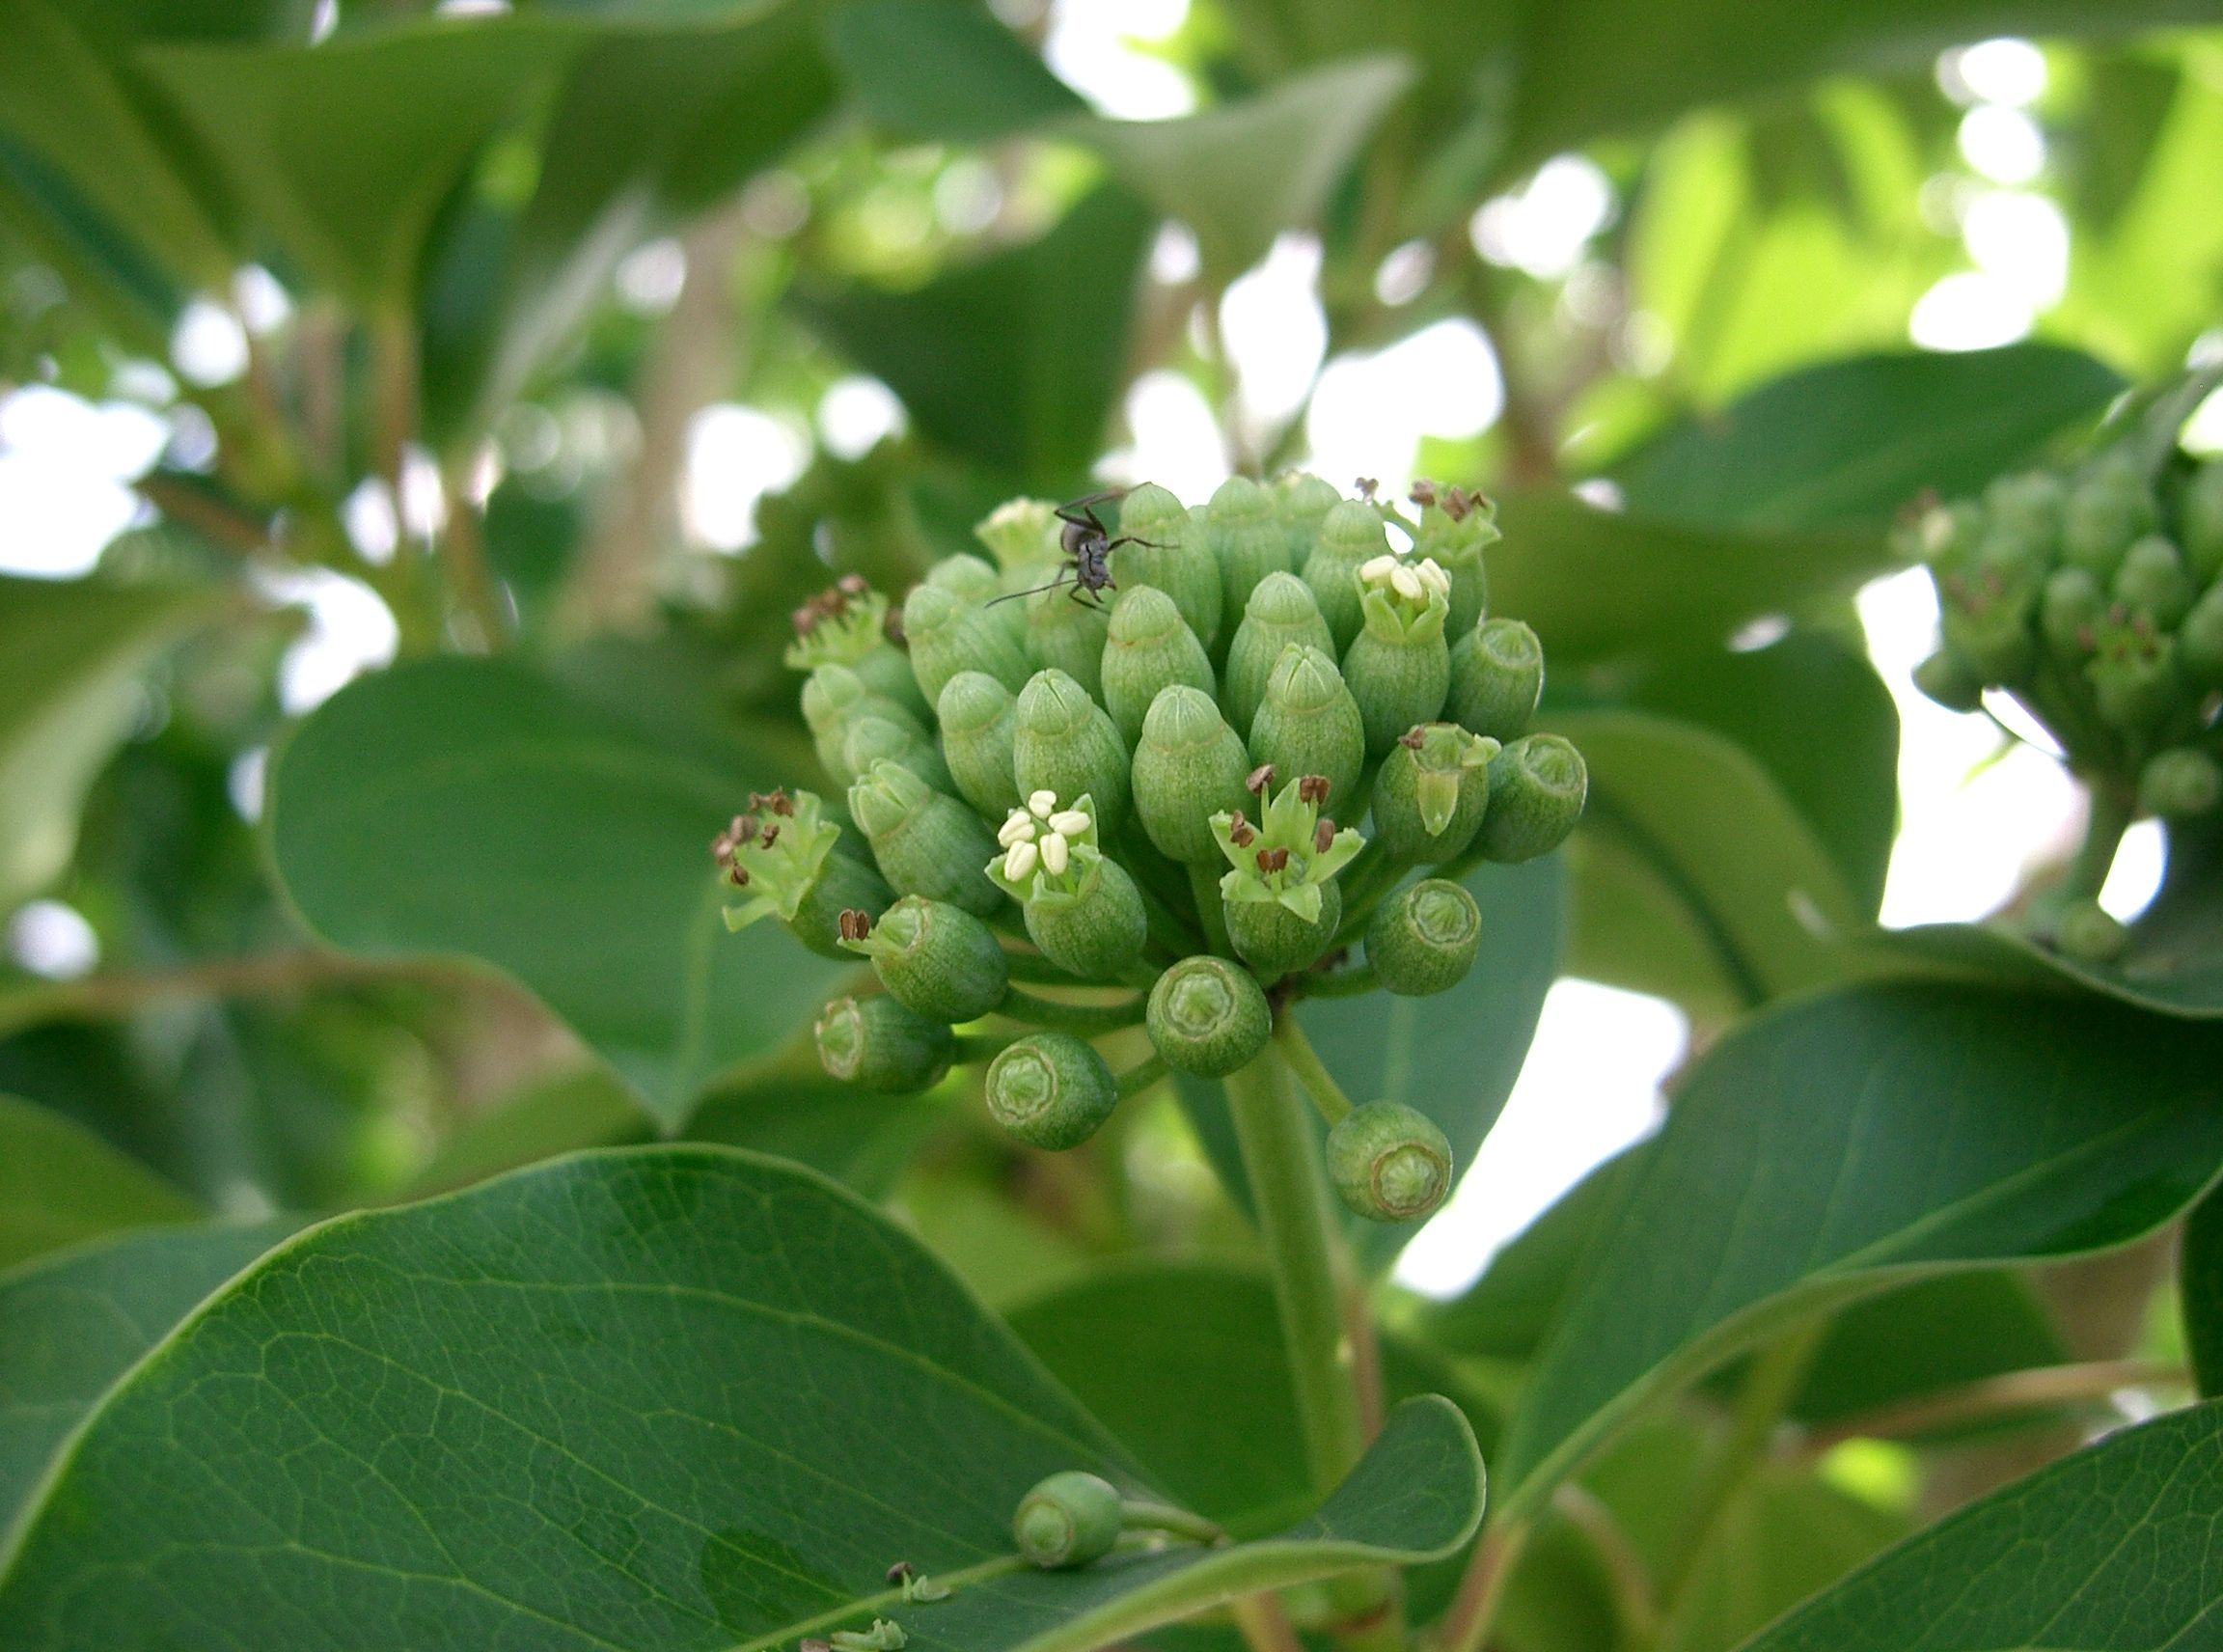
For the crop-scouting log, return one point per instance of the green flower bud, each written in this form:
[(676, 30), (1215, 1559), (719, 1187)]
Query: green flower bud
[(1281, 611), (1309, 723), (1069, 1519), (1456, 526), (873, 739), (1082, 909), (1423, 939), (936, 959), (1067, 634), (2133, 674), (2108, 510), (2152, 580), (2199, 640), (1067, 745), (1242, 528), (1390, 1161), (1166, 551), (1949, 681), (1351, 535), (1399, 667), (1986, 618), (1303, 501), (2089, 933), (836, 695), (2200, 521), (848, 625), (1208, 1016), (1186, 764), (1946, 536), (2030, 507), (1433, 792), (877, 1044), (787, 854), (2179, 782), (964, 577), (1021, 535), (1282, 901), (979, 734), (948, 634), (927, 842), (2069, 610), (1051, 1089), (1537, 788), (1149, 647), (1497, 678)]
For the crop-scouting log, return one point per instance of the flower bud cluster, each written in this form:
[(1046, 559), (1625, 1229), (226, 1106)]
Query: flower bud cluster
[(2093, 594), (1195, 752)]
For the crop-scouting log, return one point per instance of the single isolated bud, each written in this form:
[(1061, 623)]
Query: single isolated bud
[(980, 723), (2179, 782), (1950, 681), (1497, 678), (2133, 674), (834, 697), (1399, 666), (1303, 501), (1208, 1016), (1067, 745), (1069, 1519), (1188, 764), (2152, 581), (1457, 525), (936, 959), (949, 633), (1423, 940), (1149, 647), (786, 857), (1051, 1089), (927, 842), (1281, 611), (1390, 1161), (1538, 785), (1309, 723), (1282, 901), (1242, 528), (876, 739), (2069, 612), (1433, 793), (2200, 521), (846, 625), (1082, 909), (1352, 535), (878, 1044), (2089, 933), (1166, 551)]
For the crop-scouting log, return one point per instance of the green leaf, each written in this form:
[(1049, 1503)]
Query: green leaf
[(1857, 1141), (1183, 1362), (69, 1326), (1848, 443), (944, 71), (1694, 877), (68, 655), (60, 1183), (472, 808), (1013, 361), (1454, 1056), (1605, 583), (347, 149), (2113, 1549), (676, 1398), (2200, 1293), (1240, 174)]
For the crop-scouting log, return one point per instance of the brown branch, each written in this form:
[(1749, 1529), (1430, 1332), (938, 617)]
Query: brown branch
[(256, 976), (210, 517), (1265, 1626), (1465, 1626), (1992, 1397)]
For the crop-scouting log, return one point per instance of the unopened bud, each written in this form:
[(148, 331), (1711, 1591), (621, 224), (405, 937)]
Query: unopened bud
[(877, 739), (2028, 505), (1352, 535), (1496, 679), (1021, 533), (1067, 744), (2179, 782), (2200, 522), (1281, 611), (2199, 640), (927, 842), (1390, 1163), (2104, 513), (1949, 681), (1433, 793), (1422, 940), (878, 1044), (935, 958), (1149, 647), (1309, 723), (1188, 764), (2152, 581), (834, 698), (2089, 933), (1242, 528), (2069, 612), (2135, 675), (949, 633), (1066, 633), (1208, 1016), (1051, 1089), (1069, 1519), (1166, 551), (980, 731), (1303, 501), (1537, 788)]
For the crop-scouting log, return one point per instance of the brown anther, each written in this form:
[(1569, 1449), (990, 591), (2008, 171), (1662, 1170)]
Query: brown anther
[(2085, 640), (737, 874), (855, 925), (1239, 831), (902, 1571), (1322, 835), (805, 620), (850, 585), (1312, 789), (741, 832), (1272, 860), (1412, 739), (1366, 486), (777, 801), (771, 835), (1259, 779), (1424, 493)]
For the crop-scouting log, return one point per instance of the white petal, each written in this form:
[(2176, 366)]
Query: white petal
[(1020, 862), (1017, 828), (1070, 821), (1055, 856), (1042, 802)]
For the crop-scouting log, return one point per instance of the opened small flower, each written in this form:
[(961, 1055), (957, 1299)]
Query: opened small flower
[(1287, 855), (839, 627), (777, 852)]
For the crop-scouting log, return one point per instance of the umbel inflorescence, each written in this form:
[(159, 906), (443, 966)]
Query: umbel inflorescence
[(1207, 782)]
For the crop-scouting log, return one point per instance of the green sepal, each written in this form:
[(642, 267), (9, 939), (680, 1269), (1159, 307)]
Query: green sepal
[(1497, 678), (1167, 552), (1188, 764), (1149, 647), (785, 853), (1433, 793), (1309, 723), (937, 959), (1538, 785), (1051, 1089), (1288, 858), (927, 842), (1352, 535), (1282, 611), (1457, 525), (879, 1044), (1422, 940), (1067, 744), (1399, 665)]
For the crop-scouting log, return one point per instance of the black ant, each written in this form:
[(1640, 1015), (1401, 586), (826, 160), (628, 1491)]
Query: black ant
[(1089, 543)]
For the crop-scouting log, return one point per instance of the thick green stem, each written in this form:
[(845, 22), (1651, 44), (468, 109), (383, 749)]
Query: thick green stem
[(1141, 1076), (2112, 812), (1084, 1019), (1311, 1072), (1211, 910), (1351, 982), (1144, 1516), (1290, 1191)]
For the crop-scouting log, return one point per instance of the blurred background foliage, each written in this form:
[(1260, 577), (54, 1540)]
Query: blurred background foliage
[(580, 341)]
